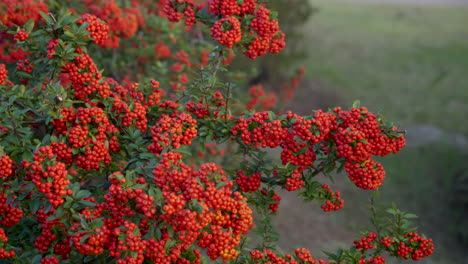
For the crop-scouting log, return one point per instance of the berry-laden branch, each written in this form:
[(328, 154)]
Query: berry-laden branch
[(127, 169)]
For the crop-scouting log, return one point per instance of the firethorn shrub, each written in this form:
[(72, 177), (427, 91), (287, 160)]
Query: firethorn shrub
[(121, 143)]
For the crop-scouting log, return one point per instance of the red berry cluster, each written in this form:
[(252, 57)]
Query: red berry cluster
[(9, 52), (228, 8), (21, 35), (261, 100), (173, 131), (24, 66), (276, 199), (49, 176), (176, 10), (227, 31), (294, 181), (49, 234), (376, 260), (51, 45), (302, 255), (6, 166), (85, 77), (99, 31), (3, 74), (3, 240), (411, 246), (201, 110), (50, 260), (334, 201), (18, 12), (415, 247), (386, 241), (9, 214), (162, 51), (248, 183), (366, 242)]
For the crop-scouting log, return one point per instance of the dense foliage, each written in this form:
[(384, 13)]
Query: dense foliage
[(156, 159)]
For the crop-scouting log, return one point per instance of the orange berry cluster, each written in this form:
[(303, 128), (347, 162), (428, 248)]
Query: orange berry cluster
[(302, 255), (173, 131), (233, 22), (351, 135), (49, 176), (268, 36), (194, 210), (334, 201), (78, 126), (359, 136), (122, 22), (211, 214), (129, 105), (98, 30), (85, 77)]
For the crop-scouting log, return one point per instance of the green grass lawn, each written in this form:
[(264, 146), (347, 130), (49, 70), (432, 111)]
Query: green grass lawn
[(409, 63)]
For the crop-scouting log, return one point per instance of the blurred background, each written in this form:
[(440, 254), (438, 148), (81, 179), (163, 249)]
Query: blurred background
[(405, 59)]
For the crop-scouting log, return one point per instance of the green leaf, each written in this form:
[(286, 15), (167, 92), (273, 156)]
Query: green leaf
[(12, 99), (28, 27), (136, 231), (357, 104), (46, 17), (410, 216), (220, 185), (183, 151), (87, 203), (58, 213)]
